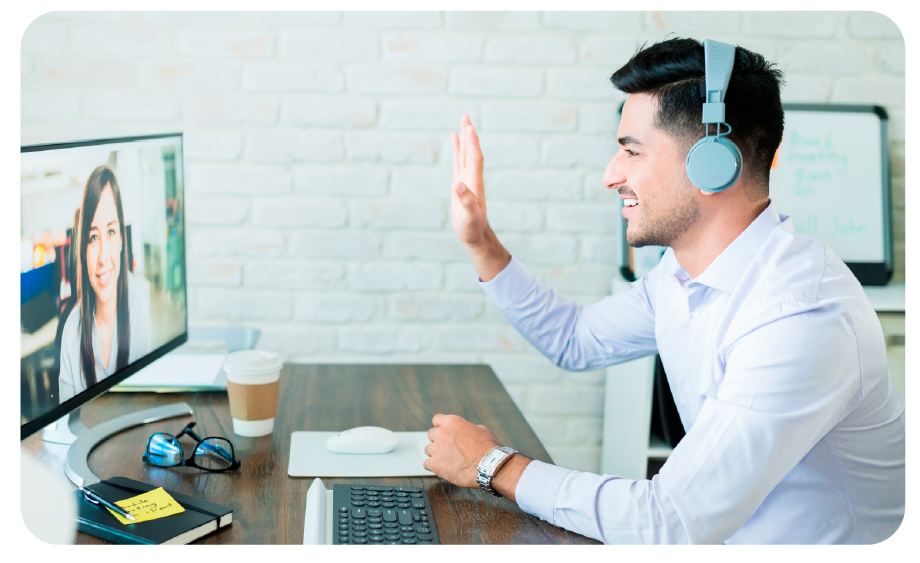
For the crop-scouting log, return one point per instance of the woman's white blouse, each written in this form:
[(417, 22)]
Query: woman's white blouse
[(776, 360), (71, 379)]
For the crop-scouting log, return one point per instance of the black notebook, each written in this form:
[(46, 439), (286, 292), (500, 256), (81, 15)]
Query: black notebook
[(199, 519)]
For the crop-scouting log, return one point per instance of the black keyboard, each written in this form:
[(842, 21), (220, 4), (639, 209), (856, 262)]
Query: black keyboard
[(366, 514)]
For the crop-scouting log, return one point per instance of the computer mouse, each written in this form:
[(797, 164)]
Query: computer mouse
[(363, 440)]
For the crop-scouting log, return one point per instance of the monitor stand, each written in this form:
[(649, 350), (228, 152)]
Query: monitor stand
[(69, 430)]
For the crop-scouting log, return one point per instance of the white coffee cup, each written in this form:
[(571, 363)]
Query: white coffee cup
[(253, 379)]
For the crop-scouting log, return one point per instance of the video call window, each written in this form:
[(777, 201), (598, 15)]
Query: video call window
[(102, 275)]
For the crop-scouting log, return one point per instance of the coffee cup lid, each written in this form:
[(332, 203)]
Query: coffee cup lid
[(252, 361)]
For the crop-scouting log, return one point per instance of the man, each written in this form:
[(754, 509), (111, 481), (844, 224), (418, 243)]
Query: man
[(775, 358)]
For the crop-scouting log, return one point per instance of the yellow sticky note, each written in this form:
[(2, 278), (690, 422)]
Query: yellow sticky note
[(148, 506)]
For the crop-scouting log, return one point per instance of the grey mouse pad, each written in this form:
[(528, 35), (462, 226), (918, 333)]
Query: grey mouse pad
[(310, 458)]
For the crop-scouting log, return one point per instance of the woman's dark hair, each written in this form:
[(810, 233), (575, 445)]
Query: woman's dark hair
[(92, 193), (672, 72)]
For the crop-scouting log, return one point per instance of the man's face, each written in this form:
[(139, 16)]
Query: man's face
[(649, 168)]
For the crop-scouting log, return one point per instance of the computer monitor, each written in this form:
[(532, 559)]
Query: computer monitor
[(103, 276)]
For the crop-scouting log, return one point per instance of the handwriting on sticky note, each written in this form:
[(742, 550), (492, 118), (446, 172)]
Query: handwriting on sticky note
[(149, 506)]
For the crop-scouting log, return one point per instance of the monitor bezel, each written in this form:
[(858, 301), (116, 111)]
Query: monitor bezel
[(101, 387)]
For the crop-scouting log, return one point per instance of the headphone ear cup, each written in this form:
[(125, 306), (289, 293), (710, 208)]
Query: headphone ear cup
[(714, 164)]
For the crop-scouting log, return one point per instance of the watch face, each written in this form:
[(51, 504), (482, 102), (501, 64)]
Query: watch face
[(492, 458)]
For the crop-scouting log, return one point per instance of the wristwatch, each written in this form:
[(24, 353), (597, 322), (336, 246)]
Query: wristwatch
[(496, 457)]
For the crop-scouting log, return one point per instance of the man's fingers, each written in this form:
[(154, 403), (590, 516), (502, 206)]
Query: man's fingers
[(461, 156), (429, 449), (466, 196), (455, 143), (438, 419), (473, 152), (432, 434)]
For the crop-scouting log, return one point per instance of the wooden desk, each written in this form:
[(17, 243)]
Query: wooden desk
[(268, 505)]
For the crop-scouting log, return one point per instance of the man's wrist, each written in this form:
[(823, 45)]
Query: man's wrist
[(488, 255), (505, 480)]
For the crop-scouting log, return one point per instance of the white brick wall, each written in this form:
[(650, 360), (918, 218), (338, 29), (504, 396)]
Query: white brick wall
[(319, 161)]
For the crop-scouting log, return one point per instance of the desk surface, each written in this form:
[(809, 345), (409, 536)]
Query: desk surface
[(268, 505)]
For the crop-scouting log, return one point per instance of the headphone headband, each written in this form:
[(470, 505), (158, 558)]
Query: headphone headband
[(720, 59)]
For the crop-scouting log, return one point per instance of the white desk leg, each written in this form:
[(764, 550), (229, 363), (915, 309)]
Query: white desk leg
[(627, 418)]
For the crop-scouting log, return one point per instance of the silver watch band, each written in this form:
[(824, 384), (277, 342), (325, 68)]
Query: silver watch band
[(492, 461)]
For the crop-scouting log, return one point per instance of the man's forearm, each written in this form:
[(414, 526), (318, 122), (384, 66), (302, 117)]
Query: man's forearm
[(489, 256)]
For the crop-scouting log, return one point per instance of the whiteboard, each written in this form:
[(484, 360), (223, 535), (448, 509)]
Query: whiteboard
[(830, 175)]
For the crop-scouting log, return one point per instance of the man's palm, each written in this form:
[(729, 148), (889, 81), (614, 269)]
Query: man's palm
[(467, 198)]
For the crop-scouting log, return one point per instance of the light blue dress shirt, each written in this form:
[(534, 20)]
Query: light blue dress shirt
[(777, 364)]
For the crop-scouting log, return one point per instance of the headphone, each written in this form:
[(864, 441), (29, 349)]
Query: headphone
[(714, 163)]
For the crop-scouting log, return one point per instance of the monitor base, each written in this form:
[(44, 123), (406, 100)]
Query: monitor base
[(69, 430)]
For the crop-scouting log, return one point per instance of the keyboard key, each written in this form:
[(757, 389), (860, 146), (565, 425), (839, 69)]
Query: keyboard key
[(389, 505), (373, 513), (375, 538), (425, 537), (409, 540), (359, 534), (390, 525), (357, 488), (386, 493), (392, 537), (358, 540), (405, 517), (375, 504), (408, 489), (417, 518), (343, 532), (422, 529), (376, 520), (381, 489), (359, 528), (418, 504), (423, 513), (392, 543), (406, 529), (357, 503), (416, 495), (343, 539), (407, 534), (343, 509), (343, 520), (357, 512), (357, 497), (343, 526), (375, 526), (402, 494), (389, 515), (402, 505)]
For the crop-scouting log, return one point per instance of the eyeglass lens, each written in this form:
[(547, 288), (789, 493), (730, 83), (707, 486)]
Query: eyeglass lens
[(164, 450), (214, 454)]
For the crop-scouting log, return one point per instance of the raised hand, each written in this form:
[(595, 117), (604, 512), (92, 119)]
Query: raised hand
[(467, 197)]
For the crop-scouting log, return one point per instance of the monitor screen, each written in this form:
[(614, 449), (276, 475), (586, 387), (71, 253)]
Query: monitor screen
[(102, 267)]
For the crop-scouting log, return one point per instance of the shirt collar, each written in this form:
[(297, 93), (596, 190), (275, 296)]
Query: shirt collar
[(726, 270)]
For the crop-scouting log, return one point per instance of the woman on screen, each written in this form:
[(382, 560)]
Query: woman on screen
[(109, 326)]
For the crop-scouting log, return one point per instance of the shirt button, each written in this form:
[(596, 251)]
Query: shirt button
[(696, 312)]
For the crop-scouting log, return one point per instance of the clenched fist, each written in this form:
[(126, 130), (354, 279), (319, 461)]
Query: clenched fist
[(457, 446)]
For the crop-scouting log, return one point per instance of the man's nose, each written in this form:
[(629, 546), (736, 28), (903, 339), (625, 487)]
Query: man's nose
[(613, 173)]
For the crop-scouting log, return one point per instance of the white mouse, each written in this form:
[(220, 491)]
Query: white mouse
[(363, 440)]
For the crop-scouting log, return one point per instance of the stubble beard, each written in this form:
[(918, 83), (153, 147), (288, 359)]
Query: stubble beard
[(662, 227)]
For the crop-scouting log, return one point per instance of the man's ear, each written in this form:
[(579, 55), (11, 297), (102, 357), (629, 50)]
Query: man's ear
[(704, 192)]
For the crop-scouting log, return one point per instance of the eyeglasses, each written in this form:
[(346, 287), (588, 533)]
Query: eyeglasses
[(211, 454)]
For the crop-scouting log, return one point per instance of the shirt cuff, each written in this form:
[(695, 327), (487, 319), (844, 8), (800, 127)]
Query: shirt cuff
[(537, 489), (506, 288)]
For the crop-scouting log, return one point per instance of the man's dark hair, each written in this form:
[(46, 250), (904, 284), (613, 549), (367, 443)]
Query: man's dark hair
[(672, 71)]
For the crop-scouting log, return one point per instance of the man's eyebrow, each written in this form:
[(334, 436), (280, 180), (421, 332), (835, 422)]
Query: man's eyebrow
[(629, 140)]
